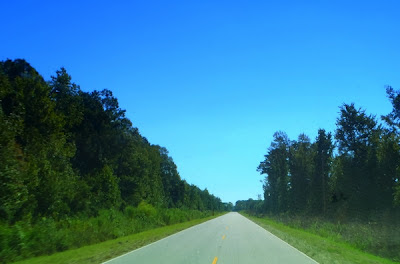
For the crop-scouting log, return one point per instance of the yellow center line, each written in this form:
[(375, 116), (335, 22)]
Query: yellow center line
[(223, 237), (215, 260)]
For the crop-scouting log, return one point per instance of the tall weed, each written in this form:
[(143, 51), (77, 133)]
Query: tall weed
[(377, 235), (46, 236)]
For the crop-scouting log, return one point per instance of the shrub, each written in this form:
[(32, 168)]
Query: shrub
[(46, 236)]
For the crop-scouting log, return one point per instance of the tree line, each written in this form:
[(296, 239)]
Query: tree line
[(66, 152), (353, 172)]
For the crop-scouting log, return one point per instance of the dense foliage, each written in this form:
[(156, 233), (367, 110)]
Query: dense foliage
[(350, 177), (24, 240), (250, 205), (68, 153), (356, 175)]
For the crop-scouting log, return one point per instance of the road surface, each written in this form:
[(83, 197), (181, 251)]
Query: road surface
[(230, 238)]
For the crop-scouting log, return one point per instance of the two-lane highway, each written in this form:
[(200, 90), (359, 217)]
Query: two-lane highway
[(230, 238)]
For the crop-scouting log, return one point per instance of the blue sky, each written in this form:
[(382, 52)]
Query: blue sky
[(213, 80)]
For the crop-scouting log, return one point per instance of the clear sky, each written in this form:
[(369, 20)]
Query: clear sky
[(213, 80)]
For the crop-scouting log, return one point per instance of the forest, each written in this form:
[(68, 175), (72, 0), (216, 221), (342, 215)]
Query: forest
[(344, 184), (354, 172), (68, 157)]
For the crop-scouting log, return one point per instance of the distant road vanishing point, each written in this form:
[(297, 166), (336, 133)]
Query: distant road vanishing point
[(230, 238)]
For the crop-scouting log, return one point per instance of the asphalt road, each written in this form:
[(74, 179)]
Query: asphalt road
[(230, 238)]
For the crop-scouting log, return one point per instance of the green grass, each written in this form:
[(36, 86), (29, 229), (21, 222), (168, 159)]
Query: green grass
[(46, 236), (101, 252), (377, 234), (321, 249)]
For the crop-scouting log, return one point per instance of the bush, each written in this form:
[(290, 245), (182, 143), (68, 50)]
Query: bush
[(146, 212), (46, 236), (130, 212)]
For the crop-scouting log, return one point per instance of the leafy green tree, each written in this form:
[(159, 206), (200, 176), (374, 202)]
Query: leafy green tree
[(319, 189), (41, 138), (389, 155), (171, 180), (393, 118), (388, 169), (357, 137), (67, 98), (95, 137), (301, 169), (13, 191), (276, 168), (104, 192), (250, 205)]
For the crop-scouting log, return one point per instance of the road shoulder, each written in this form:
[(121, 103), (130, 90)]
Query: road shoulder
[(318, 248)]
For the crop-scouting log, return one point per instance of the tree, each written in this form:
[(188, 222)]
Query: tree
[(13, 191), (389, 155), (323, 148), (67, 98), (104, 190), (357, 137), (301, 169), (393, 118), (171, 180), (41, 139), (388, 164), (276, 168)]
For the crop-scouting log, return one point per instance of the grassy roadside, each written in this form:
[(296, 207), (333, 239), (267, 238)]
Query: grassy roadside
[(323, 250), (101, 252)]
